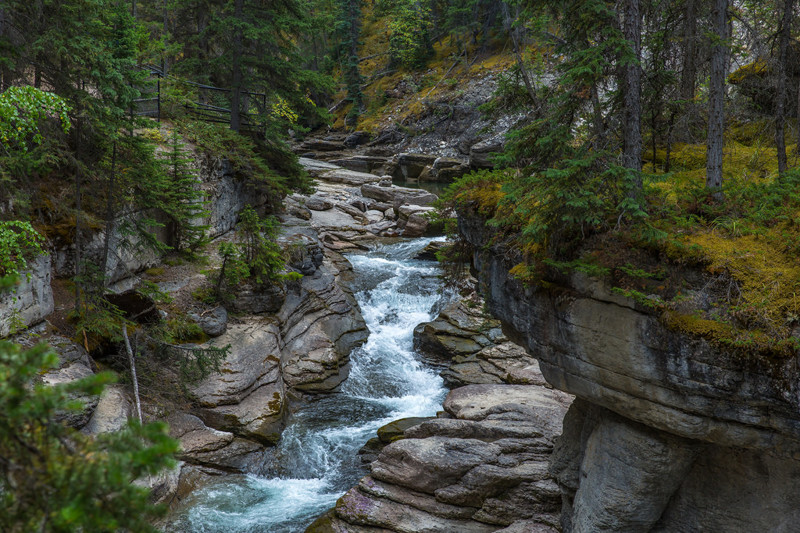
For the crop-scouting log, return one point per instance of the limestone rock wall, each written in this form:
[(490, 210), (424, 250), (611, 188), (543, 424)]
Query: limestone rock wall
[(31, 300), (664, 417)]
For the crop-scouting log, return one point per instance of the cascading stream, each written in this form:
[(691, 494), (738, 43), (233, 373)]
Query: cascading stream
[(316, 460)]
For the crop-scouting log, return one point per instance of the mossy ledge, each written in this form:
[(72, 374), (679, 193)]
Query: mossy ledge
[(657, 366)]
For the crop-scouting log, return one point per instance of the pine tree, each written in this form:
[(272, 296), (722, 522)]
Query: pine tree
[(54, 478), (186, 202)]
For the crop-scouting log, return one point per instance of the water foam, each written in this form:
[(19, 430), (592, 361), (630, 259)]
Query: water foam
[(316, 459)]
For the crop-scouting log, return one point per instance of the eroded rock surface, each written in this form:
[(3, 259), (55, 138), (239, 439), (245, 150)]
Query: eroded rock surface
[(672, 433), (479, 467), (320, 325), (31, 301), (247, 398)]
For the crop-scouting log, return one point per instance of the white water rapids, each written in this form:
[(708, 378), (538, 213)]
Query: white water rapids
[(316, 459)]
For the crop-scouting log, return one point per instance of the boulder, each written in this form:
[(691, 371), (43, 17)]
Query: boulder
[(258, 299), (204, 446), (412, 165), (73, 364), (357, 138), (247, 397), (446, 169), (480, 154), (214, 322), (479, 467), (361, 163), (112, 411), (429, 252), (348, 177), (415, 226), (318, 202), (462, 328), (398, 195), (320, 325), (321, 145)]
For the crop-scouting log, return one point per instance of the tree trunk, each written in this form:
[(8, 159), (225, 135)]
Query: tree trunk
[(716, 97), (237, 67), (109, 213), (512, 32), (132, 362), (689, 74), (780, 97), (632, 95)]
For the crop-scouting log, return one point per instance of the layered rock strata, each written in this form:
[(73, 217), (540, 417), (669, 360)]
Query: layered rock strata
[(663, 416), (481, 466)]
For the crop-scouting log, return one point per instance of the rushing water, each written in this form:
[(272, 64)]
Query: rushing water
[(316, 460)]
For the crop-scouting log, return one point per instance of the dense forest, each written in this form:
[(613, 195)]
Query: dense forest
[(648, 132)]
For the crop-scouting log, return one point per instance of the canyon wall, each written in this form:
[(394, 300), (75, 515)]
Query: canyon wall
[(668, 432)]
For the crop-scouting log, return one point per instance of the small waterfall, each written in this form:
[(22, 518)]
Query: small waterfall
[(316, 460)]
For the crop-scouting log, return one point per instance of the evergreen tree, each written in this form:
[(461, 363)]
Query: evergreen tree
[(349, 28), (54, 478), (185, 201)]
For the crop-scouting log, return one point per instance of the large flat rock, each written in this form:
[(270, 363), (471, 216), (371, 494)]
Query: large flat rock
[(481, 466), (247, 398)]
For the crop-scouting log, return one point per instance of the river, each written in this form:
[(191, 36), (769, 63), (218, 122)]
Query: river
[(316, 460)]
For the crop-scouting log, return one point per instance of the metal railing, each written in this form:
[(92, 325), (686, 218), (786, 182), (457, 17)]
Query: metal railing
[(212, 104)]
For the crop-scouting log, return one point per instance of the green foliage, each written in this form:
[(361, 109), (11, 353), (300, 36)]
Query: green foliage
[(54, 478), (410, 25), (185, 201), (258, 248), (270, 168), (22, 112), (96, 319), (18, 243)]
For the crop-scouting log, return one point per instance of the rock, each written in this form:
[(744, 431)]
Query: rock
[(373, 216), (429, 252), (480, 154), (462, 328), (321, 145), (73, 364), (446, 162), (112, 412), (213, 322), (204, 446), (320, 325), (446, 169), (316, 167), (386, 435), (31, 301), (357, 138), (257, 300), (362, 163), (318, 203), (359, 204), (348, 177), (394, 430), (412, 165), (478, 468), (353, 211), (398, 195), (379, 206), (502, 363), (671, 433), (247, 397), (227, 195), (450, 174), (299, 211), (416, 226)]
